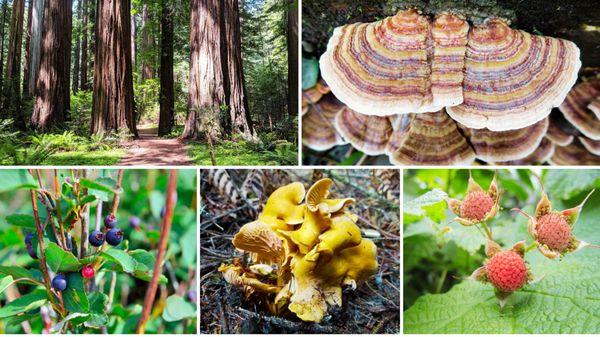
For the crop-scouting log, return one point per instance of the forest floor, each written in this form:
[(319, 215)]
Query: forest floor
[(150, 149)]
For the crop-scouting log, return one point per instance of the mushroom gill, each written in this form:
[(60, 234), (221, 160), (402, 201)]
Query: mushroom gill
[(310, 261)]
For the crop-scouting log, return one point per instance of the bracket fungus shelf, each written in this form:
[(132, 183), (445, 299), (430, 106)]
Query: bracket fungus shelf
[(303, 248)]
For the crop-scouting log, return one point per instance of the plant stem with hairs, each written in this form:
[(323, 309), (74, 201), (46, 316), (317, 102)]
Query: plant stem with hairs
[(162, 248)]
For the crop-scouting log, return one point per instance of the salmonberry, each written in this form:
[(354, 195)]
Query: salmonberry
[(96, 238), (476, 205), (110, 221), (507, 271), (59, 282), (554, 231), (114, 236), (87, 271)]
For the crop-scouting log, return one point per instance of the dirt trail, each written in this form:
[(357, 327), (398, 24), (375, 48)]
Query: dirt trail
[(150, 149)]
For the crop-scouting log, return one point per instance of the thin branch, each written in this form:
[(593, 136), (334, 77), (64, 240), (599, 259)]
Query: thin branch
[(117, 197), (57, 209), (162, 249)]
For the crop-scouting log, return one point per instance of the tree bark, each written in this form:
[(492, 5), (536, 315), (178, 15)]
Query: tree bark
[(147, 45), (52, 95), (206, 73), (34, 43), (76, 53), (12, 92), (4, 10), (83, 77), (133, 34), (292, 44), (241, 122), (27, 51), (167, 93), (113, 104)]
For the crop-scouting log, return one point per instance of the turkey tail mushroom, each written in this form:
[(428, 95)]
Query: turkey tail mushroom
[(576, 111)]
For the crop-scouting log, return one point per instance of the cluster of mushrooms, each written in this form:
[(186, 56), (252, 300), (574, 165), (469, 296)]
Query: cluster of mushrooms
[(442, 92), (303, 248)]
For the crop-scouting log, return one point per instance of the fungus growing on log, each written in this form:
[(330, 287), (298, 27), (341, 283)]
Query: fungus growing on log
[(314, 248), (576, 108), (542, 154), (369, 134), (407, 64), (506, 145), (428, 139), (318, 131)]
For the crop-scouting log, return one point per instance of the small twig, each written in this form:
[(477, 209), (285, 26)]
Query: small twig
[(85, 225), (57, 209), (111, 292), (165, 228), (117, 197)]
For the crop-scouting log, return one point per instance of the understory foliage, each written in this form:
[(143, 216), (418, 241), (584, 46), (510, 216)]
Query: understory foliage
[(441, 254), (233, 198), (105, 287)]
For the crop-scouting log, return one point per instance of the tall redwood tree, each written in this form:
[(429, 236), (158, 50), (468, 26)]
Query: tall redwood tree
[(52, 96), (34, 47), (241, 122), (206, 91), (113, 104), (11, 103), (167, 94), (292, 45)]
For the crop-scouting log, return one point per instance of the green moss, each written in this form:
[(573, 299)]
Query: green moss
[(242, 153), (102, 157)]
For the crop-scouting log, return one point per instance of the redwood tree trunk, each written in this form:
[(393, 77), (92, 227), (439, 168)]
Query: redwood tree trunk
[(292, 42), (4, 10), (83, 77), (241, 121), (76, 53), (112, 108), (52, 95), (34, 47), (12, 92), (167, 94), (206, 72), (147, 44), (27, 52), (133, 34)]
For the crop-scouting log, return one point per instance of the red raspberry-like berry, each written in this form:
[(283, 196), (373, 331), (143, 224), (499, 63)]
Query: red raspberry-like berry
[(476, 205), (506, 271), (553, 231), (87, 271)]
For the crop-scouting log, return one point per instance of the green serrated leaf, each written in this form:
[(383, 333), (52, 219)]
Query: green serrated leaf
[(121, 258), (415, 206), (31, 301), (16, 179), (59, 260), (565, 184), (87, 199), (178, 308), (74, 296), (21, 220)]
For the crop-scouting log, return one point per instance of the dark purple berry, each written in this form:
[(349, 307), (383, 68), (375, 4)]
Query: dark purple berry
[(110, 221), (28, 238), (163, 211), (96, 238), (59, 282), (32, 252), (134, 221), (114, 236)]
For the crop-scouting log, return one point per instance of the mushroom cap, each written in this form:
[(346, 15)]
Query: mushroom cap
[(574, 154), (591, 145), (575, 108), (381, 68), (449, 33), (559, 130), (283, 208), (513, 79), (318, 131), (594, 106), (517, 144), (369, 134), (262, 241), (428, 139), (542, 154)]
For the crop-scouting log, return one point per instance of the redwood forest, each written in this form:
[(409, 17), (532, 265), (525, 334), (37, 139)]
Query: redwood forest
[(134, 82)]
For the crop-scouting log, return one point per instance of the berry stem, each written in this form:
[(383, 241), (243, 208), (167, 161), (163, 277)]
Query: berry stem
[(85, 224), (57, 209), (165, 228), (488, 230), (530, 247), (45, 200), (39, 230)]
